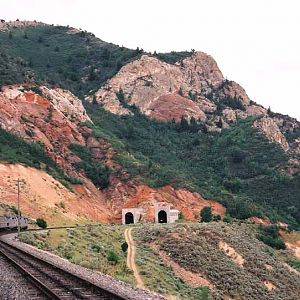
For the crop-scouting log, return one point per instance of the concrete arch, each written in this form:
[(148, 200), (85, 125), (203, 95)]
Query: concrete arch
[(129, 218), (162, 216)]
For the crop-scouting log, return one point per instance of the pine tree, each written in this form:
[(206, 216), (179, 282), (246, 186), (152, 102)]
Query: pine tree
[(184, 124), (92, 74), (193, 125), (206, 214)]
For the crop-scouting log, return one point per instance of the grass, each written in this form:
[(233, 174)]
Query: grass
[(92, 247), (194, 247), (160, 278), (6, 209)]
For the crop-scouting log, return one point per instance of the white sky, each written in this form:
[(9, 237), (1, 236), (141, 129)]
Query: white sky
[(255, 42)]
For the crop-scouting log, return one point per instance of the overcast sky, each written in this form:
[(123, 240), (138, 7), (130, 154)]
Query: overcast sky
[(255, 42)]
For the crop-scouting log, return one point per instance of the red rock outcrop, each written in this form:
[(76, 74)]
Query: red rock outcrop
[(174, 106), (51, 119), (190, 204)]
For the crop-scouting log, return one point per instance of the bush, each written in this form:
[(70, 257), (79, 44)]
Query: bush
[(238, 158), (216, 218), (41, 223), (270, 236), (16, 150), (113, 257), (96, 248), (124, 247), (295, 263), (95, 171), (75, 180), (227, 219), (181, 216), (206, 214), (234, 185)]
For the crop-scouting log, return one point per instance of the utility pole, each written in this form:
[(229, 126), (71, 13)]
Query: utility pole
[(19, 181)]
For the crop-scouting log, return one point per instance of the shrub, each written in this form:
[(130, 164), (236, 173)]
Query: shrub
[(217, 218), (206, 214), (41, 223), (95, 171), (270, 236), (238, 155), (295, 263), (75, 180), (124, 247), (113, 257), (96, 248), (237, 158), (234, 185), (227, 219), (181, 216)]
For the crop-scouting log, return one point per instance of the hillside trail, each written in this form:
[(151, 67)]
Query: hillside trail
[(131, 258)]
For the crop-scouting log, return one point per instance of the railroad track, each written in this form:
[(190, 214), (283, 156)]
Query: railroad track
[(52, 281)]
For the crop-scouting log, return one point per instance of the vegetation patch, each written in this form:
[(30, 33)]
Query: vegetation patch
[(15, 150), (270, 236), (237, 167), (96, 172), (196, 248), (94, 247)]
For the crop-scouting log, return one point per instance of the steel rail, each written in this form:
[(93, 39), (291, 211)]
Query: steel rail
[(68, 281)]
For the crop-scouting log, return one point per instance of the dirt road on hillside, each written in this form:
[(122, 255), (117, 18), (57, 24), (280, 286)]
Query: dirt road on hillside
[(131, 258)]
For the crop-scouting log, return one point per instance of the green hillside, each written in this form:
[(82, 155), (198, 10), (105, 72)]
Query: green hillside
[(60, 56), (238, 167), (15, 150), (77, 61)]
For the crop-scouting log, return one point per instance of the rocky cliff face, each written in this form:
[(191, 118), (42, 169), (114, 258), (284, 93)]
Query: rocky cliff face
[(50, 117), (148, 81), (192, 87)]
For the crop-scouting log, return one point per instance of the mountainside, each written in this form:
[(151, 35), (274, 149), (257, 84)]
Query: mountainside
[(130, 128), (195, 88)]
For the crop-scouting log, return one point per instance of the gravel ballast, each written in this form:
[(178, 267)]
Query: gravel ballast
[(12, 284), (106, 282)]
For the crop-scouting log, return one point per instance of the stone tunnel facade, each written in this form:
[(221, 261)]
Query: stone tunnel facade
[(162, 214)]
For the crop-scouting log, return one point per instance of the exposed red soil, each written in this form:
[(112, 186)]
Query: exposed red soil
[(43, 196), (190, 204), (260, 221), (292, 241)]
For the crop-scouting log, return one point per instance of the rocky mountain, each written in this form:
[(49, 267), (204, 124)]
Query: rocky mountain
[(192, 87), (130, 128)]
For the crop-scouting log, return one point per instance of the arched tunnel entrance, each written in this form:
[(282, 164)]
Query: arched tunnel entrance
[(162, 217), (129, 219)]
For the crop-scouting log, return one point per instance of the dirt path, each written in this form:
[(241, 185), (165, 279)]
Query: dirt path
[(131, 258)]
